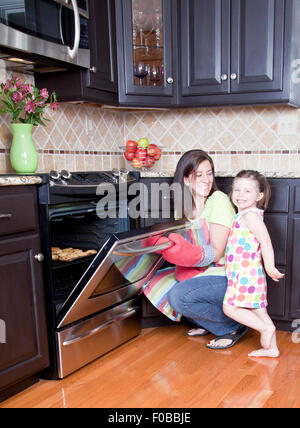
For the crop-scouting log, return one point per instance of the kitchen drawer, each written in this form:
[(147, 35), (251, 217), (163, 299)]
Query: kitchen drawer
[(17, 209)]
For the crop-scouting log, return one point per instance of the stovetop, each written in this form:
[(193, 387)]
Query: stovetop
[(89, 178), (64, 186)]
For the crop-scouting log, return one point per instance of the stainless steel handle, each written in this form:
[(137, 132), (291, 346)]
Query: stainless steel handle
[(93, 69), (39, 257), (224, 76), (5, 215), (73, 52), (126, 251), (233, 76), (95, 330), (170, 80)]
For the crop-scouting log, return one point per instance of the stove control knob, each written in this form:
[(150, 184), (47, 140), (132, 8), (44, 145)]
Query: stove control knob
[(65, 174), (55, 175)]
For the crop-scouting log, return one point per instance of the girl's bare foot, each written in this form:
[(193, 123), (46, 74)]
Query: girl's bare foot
[(270, 351), (273, 353), (266, 336)]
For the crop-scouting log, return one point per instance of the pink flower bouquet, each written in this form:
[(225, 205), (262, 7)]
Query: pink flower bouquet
[(26, 103)]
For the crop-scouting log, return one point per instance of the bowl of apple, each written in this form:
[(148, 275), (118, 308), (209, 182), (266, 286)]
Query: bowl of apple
[(141, 154)]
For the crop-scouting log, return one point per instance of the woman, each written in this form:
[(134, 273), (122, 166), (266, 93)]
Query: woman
[(195, 287)]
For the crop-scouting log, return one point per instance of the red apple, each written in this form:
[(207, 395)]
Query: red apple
[(129, 155), (141, 153), (136, 163), (152, 149), (149, 161), (131, 146), (157, 154)]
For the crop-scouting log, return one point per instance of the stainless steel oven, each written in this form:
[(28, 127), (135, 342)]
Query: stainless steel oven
[(95, 265), (52, 29)]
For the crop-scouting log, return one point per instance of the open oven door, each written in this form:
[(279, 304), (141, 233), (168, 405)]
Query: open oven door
[(124, 264)]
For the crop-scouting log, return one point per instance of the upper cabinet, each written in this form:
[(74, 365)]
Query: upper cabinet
[(146, 41), (188, 53), (234, 52)]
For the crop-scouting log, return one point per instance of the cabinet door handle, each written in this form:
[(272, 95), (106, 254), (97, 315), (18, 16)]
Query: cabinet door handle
[(170, 80), (224, 76), (5, 215), (233, 76), (93, 69), (39, 257)]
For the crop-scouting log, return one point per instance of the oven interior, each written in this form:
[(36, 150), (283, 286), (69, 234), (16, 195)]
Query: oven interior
[(77, 234)]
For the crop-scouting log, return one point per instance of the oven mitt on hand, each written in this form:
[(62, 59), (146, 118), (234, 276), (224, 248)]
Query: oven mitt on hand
[(183, 253), (155, 240)]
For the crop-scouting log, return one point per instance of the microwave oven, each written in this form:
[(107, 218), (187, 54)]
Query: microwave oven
[(49, 32)]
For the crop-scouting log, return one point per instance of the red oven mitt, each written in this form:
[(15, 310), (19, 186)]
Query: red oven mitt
[(183, 253), (155, 240)]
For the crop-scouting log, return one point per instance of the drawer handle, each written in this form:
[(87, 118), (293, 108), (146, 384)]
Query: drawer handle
[(5, 216), (95, 330)]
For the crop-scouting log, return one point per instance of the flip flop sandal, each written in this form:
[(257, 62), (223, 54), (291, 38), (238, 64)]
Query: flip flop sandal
[(204, 333), (233, 337)]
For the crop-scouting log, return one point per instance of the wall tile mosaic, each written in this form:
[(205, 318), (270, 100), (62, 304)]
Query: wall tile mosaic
[(86, 137)]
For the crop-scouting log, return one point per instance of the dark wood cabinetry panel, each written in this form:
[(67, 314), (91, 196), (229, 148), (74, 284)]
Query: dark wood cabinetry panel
[(103, 71), (24, 350), (204, 46), (257, 45), (295, 280)]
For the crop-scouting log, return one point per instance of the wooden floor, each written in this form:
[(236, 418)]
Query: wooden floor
[(163, 368)]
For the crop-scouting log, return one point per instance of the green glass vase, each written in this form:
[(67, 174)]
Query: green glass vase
[(23, 154)]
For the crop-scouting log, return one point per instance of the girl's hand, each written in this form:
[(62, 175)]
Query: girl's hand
[(274, 274)]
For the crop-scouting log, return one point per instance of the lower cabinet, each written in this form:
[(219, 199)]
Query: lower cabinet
[(23, 331), (282, 219)]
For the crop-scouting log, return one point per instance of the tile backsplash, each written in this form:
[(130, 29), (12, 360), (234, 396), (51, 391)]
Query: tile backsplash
[(87, 137)]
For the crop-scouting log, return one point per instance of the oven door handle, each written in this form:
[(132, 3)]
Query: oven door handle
[(127, 251), (95, 330)]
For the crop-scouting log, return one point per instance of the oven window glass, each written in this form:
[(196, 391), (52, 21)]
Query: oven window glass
[(77, 235)]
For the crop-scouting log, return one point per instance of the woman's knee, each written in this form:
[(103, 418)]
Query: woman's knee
[(175, 297)]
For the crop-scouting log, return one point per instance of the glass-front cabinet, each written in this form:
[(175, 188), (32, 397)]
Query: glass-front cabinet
[(147, 44)]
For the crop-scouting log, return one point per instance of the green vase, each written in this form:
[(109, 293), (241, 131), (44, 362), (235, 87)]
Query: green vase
[(23, 154)]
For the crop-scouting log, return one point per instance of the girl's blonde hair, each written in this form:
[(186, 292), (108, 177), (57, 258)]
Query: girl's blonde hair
[(262, 182)]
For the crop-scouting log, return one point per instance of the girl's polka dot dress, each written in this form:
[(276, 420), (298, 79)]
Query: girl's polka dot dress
[(247, 286)]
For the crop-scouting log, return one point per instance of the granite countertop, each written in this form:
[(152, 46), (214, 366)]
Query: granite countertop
[(154, 174), (18, 180)]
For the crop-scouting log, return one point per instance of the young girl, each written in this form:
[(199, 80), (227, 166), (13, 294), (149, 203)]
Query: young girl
[(245, 299)]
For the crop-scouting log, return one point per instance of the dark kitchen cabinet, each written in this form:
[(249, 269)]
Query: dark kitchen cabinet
[(23, 331), (233, 51), (156, 201), (187, 53), (139, 45), (295, 279)]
